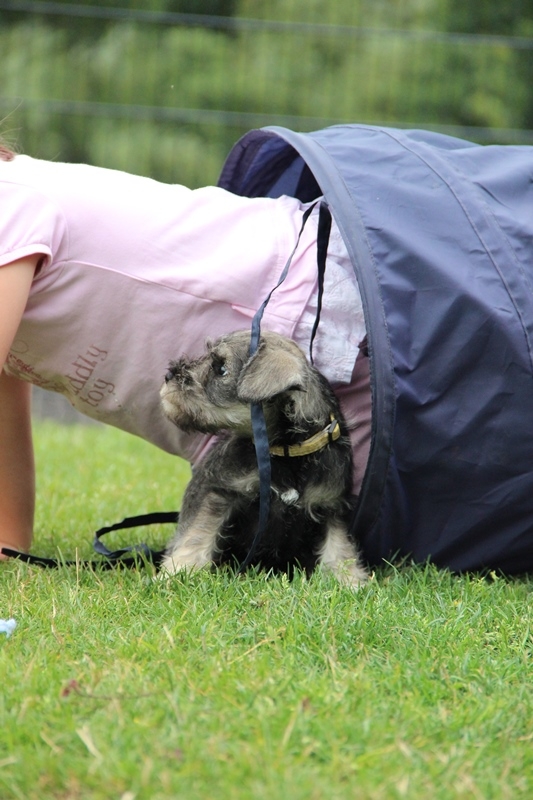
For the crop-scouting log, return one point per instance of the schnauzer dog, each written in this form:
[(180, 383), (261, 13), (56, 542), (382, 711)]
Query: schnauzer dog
[(311, 463)]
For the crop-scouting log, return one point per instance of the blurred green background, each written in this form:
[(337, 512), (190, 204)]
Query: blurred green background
[(165, 87)]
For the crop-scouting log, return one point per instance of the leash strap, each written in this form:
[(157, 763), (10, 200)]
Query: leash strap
[(262, 449), (133, 556), (322, 241), (40, 561), (152, 556)]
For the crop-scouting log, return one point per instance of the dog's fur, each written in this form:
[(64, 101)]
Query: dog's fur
[(310, 495)]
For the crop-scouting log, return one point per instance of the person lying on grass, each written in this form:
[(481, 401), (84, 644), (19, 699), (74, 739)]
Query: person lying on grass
[(106, 276)]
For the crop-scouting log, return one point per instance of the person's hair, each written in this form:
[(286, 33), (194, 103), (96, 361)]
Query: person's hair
[(6, 154)]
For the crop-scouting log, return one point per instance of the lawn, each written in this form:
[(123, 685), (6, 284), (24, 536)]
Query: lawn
[(115, 685)]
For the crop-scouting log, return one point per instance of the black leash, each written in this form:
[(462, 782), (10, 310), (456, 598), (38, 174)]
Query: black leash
[(151, 556), (322, 242), (131, 557)]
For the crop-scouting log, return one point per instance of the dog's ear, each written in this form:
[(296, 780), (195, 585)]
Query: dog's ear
[(271, 371)]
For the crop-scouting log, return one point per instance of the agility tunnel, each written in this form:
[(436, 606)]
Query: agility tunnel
[(440, 234)]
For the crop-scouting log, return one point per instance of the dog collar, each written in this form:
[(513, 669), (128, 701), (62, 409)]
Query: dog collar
[(316, 442)]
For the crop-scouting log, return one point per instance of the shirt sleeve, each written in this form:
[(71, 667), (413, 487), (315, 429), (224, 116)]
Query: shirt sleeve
[(29, 223)]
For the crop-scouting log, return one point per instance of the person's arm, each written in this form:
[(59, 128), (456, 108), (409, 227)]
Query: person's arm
[(17, 474)]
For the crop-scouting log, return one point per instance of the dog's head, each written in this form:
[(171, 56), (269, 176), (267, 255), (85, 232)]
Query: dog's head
[(214, 392)]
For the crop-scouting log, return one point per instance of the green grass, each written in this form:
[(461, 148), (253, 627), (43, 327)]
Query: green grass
[(209, 686)]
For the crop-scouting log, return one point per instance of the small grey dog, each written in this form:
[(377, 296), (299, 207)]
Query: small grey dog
[(311, 462)]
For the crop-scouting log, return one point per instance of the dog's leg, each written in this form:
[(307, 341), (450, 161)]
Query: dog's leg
[(338, 554), (194, 545)]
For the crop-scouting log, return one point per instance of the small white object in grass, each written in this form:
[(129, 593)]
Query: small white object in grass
[(7, 626)]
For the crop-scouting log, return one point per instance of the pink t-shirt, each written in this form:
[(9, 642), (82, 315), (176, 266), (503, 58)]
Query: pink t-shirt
[(136, 273)]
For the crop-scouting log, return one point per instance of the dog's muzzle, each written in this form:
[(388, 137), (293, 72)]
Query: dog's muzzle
[(179, 372)]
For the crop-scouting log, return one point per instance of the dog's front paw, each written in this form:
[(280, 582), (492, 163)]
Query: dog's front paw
[(339, 555), (348, 572), (170, 566), (187, 555), (176, 562)]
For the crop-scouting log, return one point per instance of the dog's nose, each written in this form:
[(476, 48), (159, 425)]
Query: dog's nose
[(179, 372), (172, 373)]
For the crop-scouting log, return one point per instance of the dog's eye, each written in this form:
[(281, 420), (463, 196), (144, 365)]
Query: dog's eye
[(219, 368)]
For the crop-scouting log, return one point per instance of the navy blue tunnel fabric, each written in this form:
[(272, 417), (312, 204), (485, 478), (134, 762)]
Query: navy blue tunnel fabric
[(440, 234)]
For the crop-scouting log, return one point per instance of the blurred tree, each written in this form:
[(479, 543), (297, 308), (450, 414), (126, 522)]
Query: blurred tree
[(511, 18), (170, 100)]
